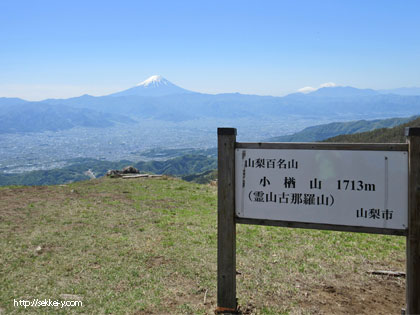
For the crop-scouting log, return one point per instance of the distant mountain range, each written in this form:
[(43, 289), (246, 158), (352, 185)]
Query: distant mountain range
[(158, 98), (402, 91), (342, 91), (348, 91), (150, 99), (17, 115)]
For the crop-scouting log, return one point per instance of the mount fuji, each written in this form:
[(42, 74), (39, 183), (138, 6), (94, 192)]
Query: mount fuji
[(154, 86), (159, 99)]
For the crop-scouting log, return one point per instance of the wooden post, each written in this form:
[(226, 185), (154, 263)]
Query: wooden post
[(226, 228), (413, 236)]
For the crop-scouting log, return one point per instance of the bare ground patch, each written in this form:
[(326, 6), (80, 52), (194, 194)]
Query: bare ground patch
[(380, 295)]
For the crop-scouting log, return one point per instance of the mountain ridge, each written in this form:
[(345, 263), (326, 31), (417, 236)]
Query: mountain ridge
[(38, 117), (159, 99), (325, 131), (382, 135)]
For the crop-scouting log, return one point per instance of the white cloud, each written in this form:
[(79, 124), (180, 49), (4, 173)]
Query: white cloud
[(307, 89), (328, 84)]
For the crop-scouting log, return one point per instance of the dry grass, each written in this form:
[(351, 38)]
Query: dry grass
[(148, 246)]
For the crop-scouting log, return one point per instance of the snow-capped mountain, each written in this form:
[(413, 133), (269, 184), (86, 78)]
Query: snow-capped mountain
[(158, 98), (156, 85), (154, 81)]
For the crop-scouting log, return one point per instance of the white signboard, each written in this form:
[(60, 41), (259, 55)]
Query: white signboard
[(340, 187)]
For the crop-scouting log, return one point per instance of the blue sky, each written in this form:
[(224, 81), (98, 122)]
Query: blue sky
[(68, 48)]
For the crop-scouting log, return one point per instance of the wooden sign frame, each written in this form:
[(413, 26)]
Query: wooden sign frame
[(227, 220)]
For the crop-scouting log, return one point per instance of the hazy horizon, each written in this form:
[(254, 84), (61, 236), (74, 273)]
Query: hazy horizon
[(104, 92)]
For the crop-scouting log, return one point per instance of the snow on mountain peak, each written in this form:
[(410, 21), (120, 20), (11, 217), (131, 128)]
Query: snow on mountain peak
[(155, 85), (154, 80)]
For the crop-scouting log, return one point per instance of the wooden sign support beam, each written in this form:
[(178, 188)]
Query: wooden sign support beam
[(226, 227), (413, 236)]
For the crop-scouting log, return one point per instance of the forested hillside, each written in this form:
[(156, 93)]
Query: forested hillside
[(325, 131), (179, 166), (382, 135)]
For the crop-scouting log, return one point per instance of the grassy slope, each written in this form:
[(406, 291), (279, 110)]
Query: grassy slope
[(148, 246)]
